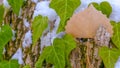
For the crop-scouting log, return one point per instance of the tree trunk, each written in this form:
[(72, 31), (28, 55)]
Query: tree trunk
[(85, 55)]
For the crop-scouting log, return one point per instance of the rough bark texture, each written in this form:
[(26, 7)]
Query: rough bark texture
[(30, 54), (86, 53)]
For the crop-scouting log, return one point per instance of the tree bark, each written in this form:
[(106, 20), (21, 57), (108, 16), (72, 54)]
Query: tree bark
[(85, 55)]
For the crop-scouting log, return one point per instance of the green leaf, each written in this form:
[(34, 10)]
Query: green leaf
[(1, 13), (9, 64), (109, 56), (57, 54), (5, 36), (38, 26), (70, 44), (53, 54), (16, 5), (96, 5), (42, 57), (26, 66), (105, 7), (64, 9), (116, 35)]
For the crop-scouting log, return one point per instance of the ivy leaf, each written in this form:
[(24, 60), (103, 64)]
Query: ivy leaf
[(42, 57), (69, 44), (5, 36), (116, 35), (9, 64), (16, 5), (1, 13), (53, 54), (64, 9), (96, 5), (109, 56), (26, 66), (38, 26), (105, 7), (58, 53)]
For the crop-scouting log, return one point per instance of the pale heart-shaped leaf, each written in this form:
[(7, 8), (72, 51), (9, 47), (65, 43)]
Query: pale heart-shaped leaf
[(58, 53), (109, 56), (16, 5), (64, 9), (86, 23), (1, 13), (9, 64), (38, 26), (105, 7), (116, 35), (5, 37)]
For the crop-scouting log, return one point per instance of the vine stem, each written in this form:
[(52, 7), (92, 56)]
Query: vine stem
[(88, 64)]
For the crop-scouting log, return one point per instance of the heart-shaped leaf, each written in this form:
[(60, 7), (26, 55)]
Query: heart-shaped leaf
[(64, 9), (116, 35), (109, 56), (5, 37), (57, 54), (105, 7), (16, 5), (39, 25), (9, 64)]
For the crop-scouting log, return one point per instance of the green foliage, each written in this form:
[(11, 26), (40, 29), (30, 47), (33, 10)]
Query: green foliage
[(57, 54), (38, 26), (53, 54), (64, 9), (96, 5), (16, 5), (9, 64), (116, 35), (105, 7), (69, 44), (1, 13), (109, 56), (5, 36), (26, 66)]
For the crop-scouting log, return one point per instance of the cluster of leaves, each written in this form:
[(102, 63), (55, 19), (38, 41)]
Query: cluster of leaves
[(57, 53), (38, 26), (61, 47)]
